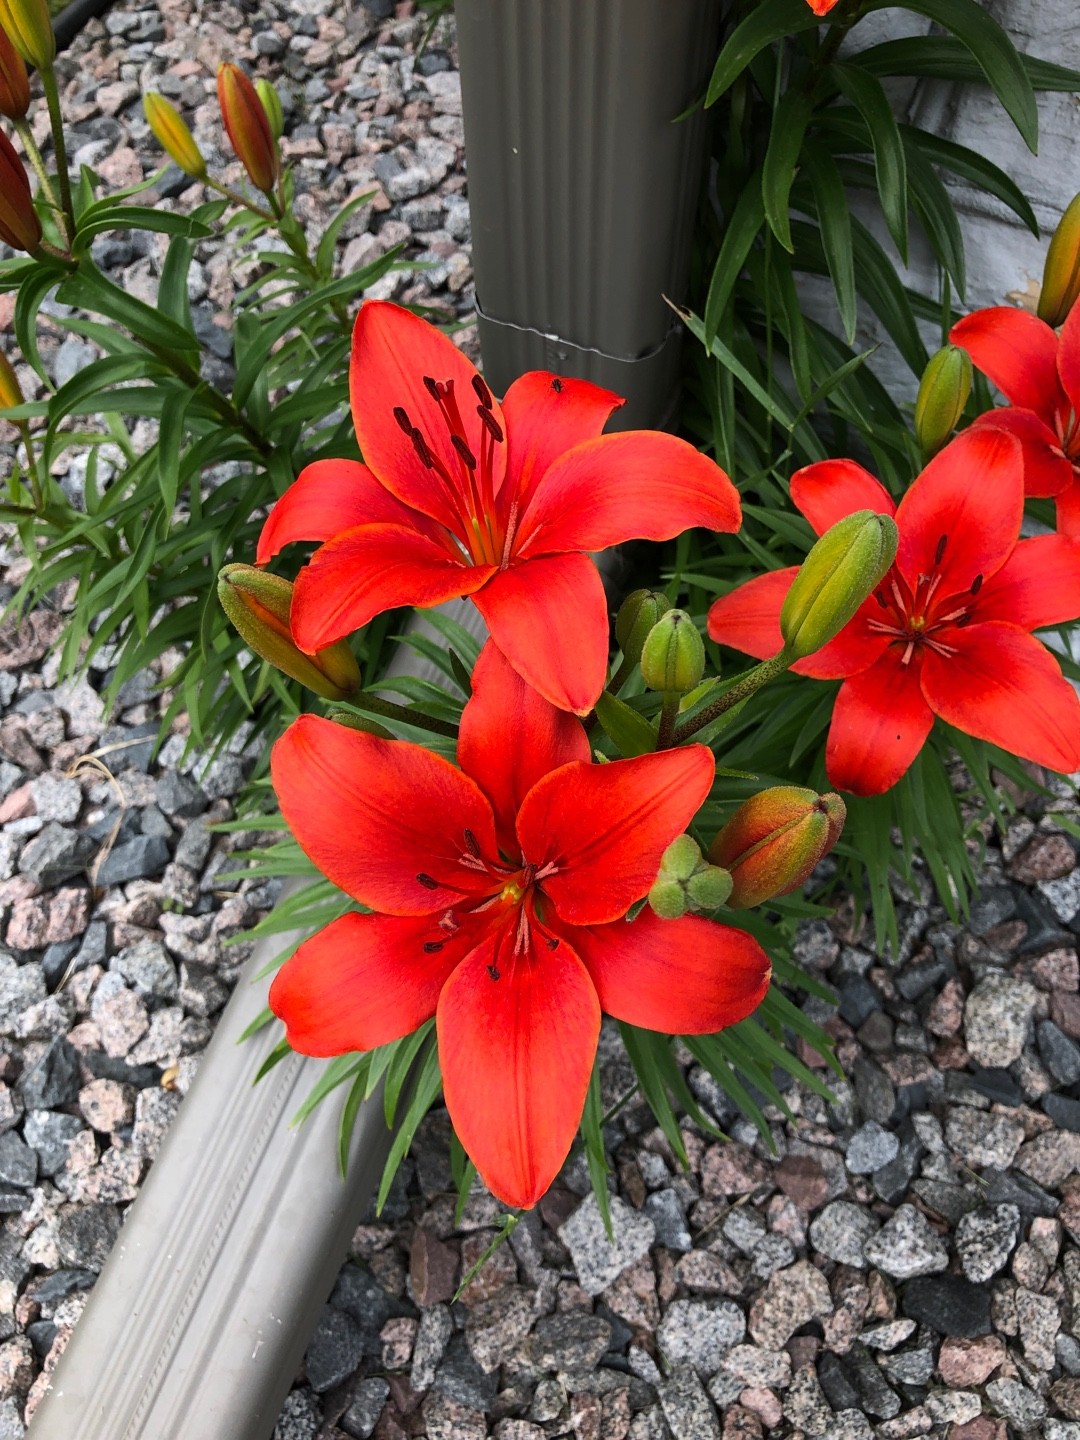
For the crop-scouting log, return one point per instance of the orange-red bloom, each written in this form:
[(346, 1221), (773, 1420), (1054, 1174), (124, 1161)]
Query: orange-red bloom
[(19, 225), (1039, 374), (464, 496), (947, 632), (822, 7), (248, 127), (500, 891)]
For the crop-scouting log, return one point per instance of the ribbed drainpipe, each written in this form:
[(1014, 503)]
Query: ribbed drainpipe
[(583, 185)]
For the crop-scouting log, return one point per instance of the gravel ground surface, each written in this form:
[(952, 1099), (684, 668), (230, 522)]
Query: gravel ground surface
[(905, 1264)]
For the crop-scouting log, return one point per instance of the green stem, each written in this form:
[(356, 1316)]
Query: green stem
[(392, 711), (31, 465), (33, 154), (56, 119), (669, 713), (237, 199), (740, 691), (225, 408)]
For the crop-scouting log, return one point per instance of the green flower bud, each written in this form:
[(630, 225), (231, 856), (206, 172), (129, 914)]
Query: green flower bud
[(681, 858), (673, 656), (258, 605), (709, 888), (667, 899), (843, 568), (1061, 273), (637, 615), (774, 840), (272, 105), (943, 393)]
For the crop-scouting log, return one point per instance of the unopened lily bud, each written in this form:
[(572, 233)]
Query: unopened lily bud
[(10, 389), (687, 881), (673, 656), (637, 615), (248, 127), (1061, 273), (172, 134), (30, 30), (14, 81), (943, 393), (774, 840), (841, 570), (258, 605), (19, 225), (271, 103)]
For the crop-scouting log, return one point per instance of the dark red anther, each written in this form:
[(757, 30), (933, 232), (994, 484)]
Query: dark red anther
[(483, 394), (939, 553), (471, 843), (428, 882), (976, 584), (433, 388), (552, 942), (420, 446), (463, 450), (493, 971), (965, 619), (556, 385), (432, 947), (402, 417), (881, 600), (493, 427)]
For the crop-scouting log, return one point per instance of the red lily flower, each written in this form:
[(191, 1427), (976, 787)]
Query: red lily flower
[(821, 7), (1040, 375), (501, 891), (462, 496), (947, 631)]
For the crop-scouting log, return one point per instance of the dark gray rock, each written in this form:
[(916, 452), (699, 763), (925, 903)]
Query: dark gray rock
[(837, 1385), (949, 1304), (177, 795), (1060, 1054), (134, 746), (994, 905), (147, 969), (460, 1378), (50, 1132), (334, 1351), (365, 1408), (665, 1210), (1064, 1112), (873, 1090), (138, 859), (359, 1295), (878, 1397), (54, 1079), (54, 1288), (55, 854), (571, 1340), (915, 980), (85, 1234), (858, 1001), (55, 962), (18, 1162), (1001, 1188), (892, 1180), (998, 1086)]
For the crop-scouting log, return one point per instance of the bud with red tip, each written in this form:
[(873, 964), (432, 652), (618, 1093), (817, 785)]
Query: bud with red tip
[(29, 28), (943, 393), (258, 605), (248, 126), (172, 134), (1061, 273), (19, 225), (14, 81), (774, 840)]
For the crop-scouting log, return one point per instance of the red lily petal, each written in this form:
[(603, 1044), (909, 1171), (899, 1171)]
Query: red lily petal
[(605, 827), (880, 723), (510, 737), (961, 517), (373, 568), (326, 498), (365, 980), (748, 617), (1068, 358), (392, 352), (684, 977), (549, 618), (1038, 585), (1002, 685), (1017, 351), (638, 485), (1067, 505), (516, 1055), (830, 490), (545, 415), (1046, 470), (375, 814)]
